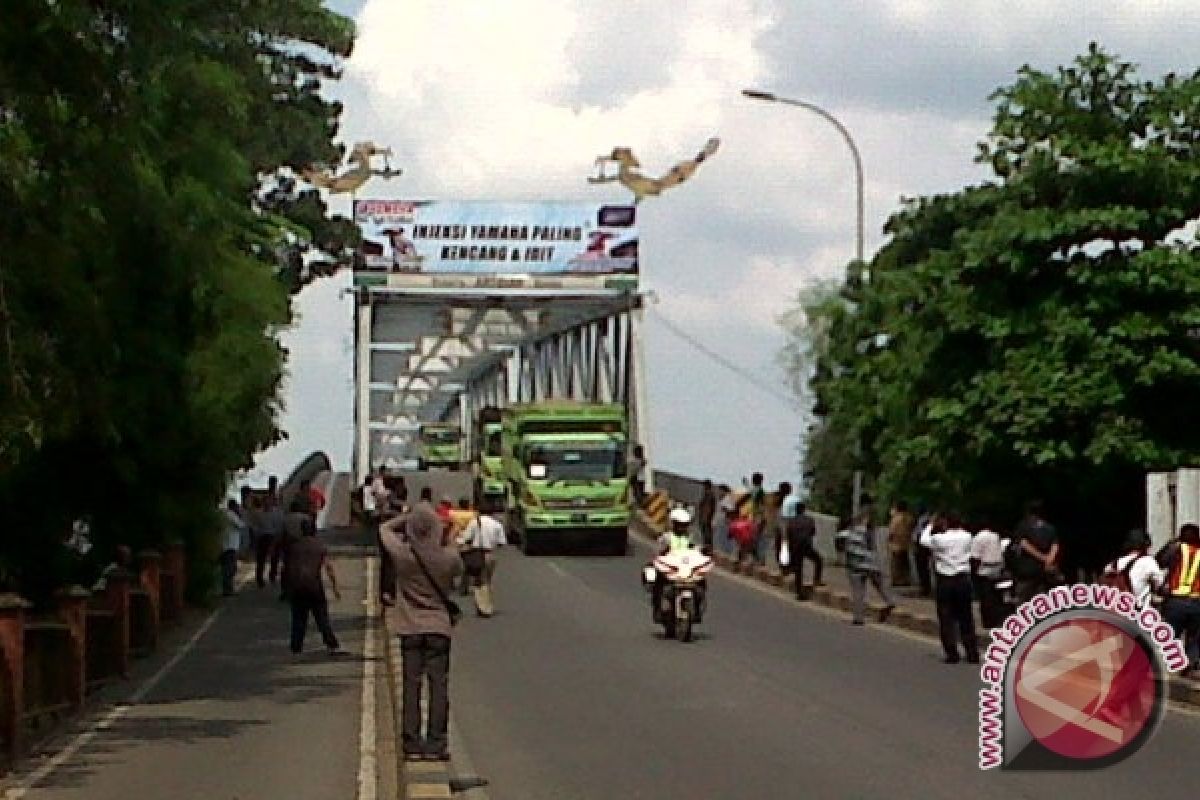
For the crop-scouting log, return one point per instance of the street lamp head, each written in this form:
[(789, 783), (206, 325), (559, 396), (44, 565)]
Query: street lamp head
[(755, 94)]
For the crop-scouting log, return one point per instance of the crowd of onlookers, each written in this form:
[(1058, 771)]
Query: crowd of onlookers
[(942, 556), (280, 533)]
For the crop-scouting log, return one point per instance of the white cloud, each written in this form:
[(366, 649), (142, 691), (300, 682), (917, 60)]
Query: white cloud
[(515, 100)]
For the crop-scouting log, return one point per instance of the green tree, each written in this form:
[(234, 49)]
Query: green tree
[(1036, 335), (154, 230)]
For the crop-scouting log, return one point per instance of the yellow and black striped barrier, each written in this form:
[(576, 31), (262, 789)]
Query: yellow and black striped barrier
[(658, 507)]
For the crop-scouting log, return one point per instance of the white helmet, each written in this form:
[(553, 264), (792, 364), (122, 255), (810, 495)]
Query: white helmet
[(682, 516)]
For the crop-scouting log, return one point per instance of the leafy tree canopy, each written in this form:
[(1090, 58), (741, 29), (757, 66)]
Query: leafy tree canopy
[(153, 231), (1034, 336)]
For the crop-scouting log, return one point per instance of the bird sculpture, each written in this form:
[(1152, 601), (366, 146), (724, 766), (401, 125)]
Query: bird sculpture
[(630, 176), (360, 170)]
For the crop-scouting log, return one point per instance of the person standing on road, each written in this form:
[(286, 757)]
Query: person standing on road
[(637, 476), (269, 539), (1181, 609), (231, 546), (425, 570), (726, 512), (460, 518), (862, 567), (757, 506), (920, 554), (294, 524), (706, 510), (478, 543), (900, 533), (987, 566), (307, 559), (951, 551), (801, 533), (382, 498), (1037, 565)]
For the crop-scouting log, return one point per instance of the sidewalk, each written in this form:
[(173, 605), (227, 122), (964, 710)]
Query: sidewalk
[(231, 714), (912, 613)]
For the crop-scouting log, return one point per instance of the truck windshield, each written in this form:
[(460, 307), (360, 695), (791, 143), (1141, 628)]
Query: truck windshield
[(589, 462), (440, 436)]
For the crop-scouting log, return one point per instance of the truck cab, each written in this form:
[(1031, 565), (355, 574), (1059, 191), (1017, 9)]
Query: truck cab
[(566, 469), (440, 446), (491, 490)]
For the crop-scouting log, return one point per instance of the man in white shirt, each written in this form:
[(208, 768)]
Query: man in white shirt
[(381, 496), (951, 551), (987, 563), (1142, 570), (483, 535)]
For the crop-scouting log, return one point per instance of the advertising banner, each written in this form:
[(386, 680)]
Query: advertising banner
[(477, 238)]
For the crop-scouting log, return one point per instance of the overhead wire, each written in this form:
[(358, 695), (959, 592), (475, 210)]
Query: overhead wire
[(725, 362)]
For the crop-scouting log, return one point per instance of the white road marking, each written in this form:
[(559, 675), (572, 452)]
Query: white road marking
[(367, 760), (116, 712), (562, 572)]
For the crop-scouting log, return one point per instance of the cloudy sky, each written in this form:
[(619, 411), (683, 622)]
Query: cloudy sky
[(514, 100)]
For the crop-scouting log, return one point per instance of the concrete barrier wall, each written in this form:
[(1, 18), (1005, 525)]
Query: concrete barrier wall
[(687, 490)]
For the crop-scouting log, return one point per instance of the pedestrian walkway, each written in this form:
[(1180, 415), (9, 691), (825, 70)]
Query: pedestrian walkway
[(232, 715)]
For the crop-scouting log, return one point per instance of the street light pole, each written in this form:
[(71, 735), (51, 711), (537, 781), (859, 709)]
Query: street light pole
[(770, 97), (858, 167)]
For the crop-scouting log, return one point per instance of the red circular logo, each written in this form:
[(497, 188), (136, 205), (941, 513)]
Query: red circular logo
[(1085, 688)]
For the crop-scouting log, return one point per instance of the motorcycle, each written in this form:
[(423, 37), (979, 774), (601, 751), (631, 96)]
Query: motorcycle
[(683, 595)]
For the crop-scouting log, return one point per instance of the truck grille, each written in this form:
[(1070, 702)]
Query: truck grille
[(581, 503)]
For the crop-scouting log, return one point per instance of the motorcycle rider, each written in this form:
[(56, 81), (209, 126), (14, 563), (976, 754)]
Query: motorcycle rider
[(678, 539)]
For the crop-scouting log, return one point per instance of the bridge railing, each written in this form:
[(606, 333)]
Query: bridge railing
[(50, 660)]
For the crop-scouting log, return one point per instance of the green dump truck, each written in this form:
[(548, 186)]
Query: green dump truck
[(565, 467), (440, 446), (491, 490)]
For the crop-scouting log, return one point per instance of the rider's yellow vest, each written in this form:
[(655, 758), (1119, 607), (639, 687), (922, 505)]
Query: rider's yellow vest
[(1184, 580), (680, 543)]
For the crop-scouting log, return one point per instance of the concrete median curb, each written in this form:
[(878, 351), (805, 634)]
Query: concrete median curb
[(1182, 691)]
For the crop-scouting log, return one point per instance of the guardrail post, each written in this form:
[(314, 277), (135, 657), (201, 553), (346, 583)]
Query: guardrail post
[(72, 608), (116, 598), (150, 577), (12, 664)]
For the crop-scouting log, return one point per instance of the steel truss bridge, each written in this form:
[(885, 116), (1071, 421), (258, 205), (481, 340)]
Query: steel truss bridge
[(427, 354)]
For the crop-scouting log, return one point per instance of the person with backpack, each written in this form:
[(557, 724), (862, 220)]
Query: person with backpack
[(1136, 572)]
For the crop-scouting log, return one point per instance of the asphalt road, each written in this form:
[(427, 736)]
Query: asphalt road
[(238, 716), (570, 693)]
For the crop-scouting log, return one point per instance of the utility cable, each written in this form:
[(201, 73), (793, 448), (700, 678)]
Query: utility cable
[(727, 363)]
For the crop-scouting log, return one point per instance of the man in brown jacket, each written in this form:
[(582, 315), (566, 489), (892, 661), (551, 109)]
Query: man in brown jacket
[(426, 564)]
